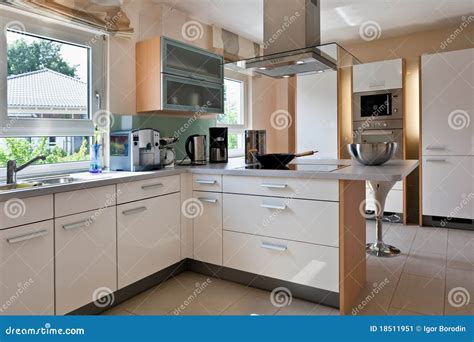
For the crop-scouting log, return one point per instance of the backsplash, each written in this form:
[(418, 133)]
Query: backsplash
[(168, 126)]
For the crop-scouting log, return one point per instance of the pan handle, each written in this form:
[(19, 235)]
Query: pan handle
[(303, 154)]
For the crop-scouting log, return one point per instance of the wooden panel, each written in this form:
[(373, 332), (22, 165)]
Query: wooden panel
[(352, 264), (148, 75)]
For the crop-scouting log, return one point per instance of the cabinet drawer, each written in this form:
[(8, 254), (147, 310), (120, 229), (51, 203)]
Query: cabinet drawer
[(73, 202), (319, 189), (28, 266), (299, 220), (447, 185), (207, 183), (85, 257), (134, 191), (16, 212), (208, 228), (297, 262), (148, 237)]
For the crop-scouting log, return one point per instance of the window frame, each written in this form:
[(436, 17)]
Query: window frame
[(246, 108), (61, 31)]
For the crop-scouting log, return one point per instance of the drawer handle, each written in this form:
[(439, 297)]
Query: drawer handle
[(152, 186), (207, 182), (79, 224), (27, 236), (134, 211), (208, 200), (274, 186), (436, 160), (435, 147), (272, 206), (273, 247)]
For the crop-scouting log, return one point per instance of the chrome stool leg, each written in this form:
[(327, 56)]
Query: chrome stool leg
[(379, 248)]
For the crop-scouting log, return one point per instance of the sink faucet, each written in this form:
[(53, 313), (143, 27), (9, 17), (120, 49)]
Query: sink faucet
[(12, 169)]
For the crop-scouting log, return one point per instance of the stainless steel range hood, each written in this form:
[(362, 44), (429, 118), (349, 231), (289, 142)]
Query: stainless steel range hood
[(292, 41)]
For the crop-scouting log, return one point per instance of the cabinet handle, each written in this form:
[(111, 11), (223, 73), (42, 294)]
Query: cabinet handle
[(273, 247), (78, 224), (152, 186), (208, 200), (208, 182), (436, 160), (273, 186), (27, 236), (134, 211), (271, 206), (435, 147)]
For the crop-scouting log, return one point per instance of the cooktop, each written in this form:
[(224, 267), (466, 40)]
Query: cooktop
[(298, 167)]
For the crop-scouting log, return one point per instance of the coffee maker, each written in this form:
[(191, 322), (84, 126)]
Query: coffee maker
[(135, 150), (218, 145)]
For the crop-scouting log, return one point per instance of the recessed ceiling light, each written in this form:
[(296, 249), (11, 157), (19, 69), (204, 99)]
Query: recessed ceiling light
[(262, 68), (320, 71), (300, 62), (286, 76)]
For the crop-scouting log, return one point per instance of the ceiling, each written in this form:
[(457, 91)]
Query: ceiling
[(340, 19)]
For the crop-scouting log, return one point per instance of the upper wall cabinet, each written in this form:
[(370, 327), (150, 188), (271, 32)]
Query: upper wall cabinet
[(173, 76), (378, 76)]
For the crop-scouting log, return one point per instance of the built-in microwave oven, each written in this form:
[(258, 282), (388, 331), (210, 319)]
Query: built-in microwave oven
[(378, 105)]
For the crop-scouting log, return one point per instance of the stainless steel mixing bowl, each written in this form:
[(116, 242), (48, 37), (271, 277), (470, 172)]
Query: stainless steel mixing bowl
[(373, 154)]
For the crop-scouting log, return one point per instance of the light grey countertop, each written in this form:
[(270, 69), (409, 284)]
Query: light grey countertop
[(394, 170)]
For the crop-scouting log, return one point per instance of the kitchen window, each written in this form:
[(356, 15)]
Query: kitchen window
[(50, 90), (235, 115)]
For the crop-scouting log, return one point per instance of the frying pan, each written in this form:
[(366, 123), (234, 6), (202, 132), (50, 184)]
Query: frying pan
[(276, 160)]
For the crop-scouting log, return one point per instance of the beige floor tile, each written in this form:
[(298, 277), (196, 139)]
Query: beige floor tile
[(465, 310), (191, 280), (431, 240), (401, 312), (460, 278), (426, 264), (194, 308), (299, 307), (378, 269), (419, 294), (460, 238), (251, 304), (461, 256), (116, 311), (220, 294), (375, 298)]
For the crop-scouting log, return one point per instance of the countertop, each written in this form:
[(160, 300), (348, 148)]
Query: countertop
[(393, 170)]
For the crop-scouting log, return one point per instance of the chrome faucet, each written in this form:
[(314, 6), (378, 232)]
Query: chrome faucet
[(12, 169)]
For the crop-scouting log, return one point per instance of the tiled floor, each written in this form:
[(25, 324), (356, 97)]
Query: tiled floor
[(434, 275)]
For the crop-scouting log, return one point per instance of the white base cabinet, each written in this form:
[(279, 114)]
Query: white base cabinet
[(148, 237), (85, 258), (448, 185), (207, 228), (297, 262), (27, 270)]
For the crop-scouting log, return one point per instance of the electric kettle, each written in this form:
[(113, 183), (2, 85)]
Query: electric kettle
[(196, 149)]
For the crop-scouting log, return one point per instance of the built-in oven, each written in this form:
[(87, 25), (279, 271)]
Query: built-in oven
[(378, 105)]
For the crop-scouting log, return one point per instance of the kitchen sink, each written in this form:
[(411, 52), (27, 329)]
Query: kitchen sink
[(58, 180)]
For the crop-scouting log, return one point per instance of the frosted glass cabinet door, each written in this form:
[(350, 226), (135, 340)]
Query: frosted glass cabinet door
[(184, 60)]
